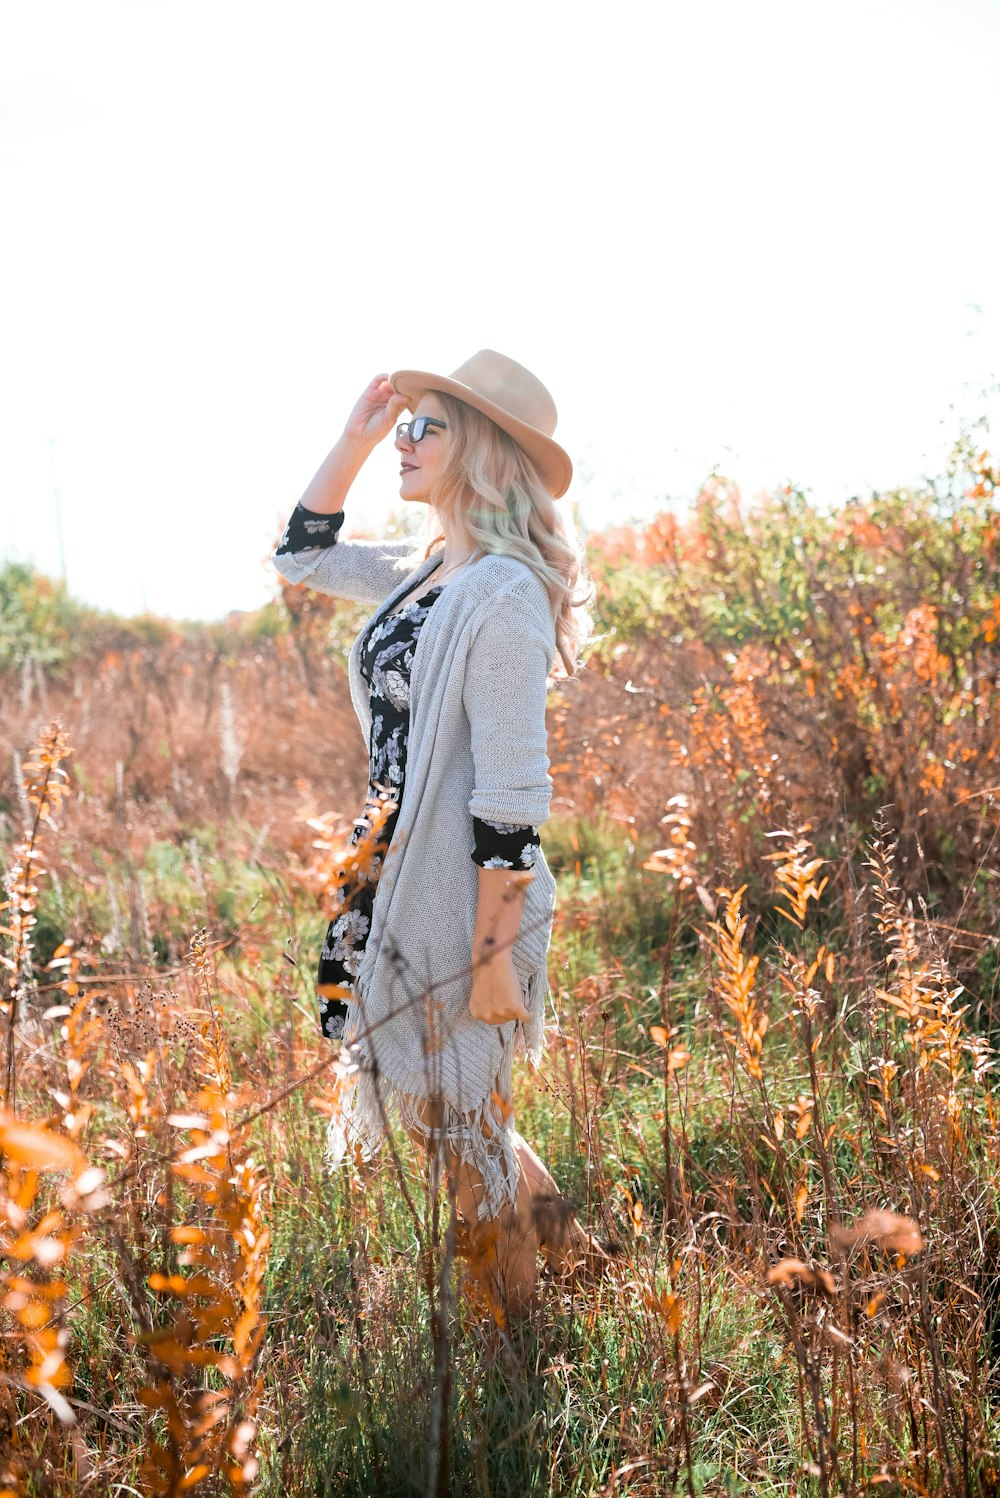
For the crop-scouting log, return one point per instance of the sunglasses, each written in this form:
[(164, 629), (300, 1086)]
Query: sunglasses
[(416, 430)]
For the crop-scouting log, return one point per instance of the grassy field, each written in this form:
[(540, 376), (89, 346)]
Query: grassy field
[(769, 1073)]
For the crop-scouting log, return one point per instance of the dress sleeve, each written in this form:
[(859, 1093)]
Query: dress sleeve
[(310, 552), (306, 530), (504, 694), (504, 845)]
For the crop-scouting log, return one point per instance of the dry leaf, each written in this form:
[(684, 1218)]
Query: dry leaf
[(705, 898), (797, 1271), (888, 1230)]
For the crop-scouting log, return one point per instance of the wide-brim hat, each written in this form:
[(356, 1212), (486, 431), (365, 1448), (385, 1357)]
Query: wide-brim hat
[(509, 395)]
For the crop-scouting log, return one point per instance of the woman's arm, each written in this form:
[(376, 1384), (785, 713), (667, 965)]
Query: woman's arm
[(502, 849), (309, 551), (373, 417), (504, 694), (496, 995), (498, 915), (329, 486)]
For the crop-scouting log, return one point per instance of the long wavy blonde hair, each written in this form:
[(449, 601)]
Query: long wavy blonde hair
[(491, 485)]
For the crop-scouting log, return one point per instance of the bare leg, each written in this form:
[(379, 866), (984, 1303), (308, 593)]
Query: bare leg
[(563, 1241), (501, 1252), (533, 1168)]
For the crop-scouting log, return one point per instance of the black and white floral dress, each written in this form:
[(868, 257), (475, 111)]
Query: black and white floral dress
[(388, 644)]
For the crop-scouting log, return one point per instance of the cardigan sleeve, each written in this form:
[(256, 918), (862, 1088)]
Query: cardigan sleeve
[(504, 694), (311, 552)]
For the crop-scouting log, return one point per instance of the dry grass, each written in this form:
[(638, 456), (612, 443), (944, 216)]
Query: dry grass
[(771, 1081)]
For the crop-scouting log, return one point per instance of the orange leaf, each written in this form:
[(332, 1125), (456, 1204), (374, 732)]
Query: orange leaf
[(196, 1173), (503, 1107), (38, 1147), (184, 1234), (193, 1476), (671, 1312)]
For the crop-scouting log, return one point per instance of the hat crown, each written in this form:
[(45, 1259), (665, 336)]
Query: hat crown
[(510, 386)]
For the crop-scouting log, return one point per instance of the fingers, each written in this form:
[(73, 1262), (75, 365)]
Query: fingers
[(501, 1007), (517, 1006), (380, 389), (493, 1018)]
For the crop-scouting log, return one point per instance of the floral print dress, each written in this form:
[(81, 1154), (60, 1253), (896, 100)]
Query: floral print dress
[(388, 643)]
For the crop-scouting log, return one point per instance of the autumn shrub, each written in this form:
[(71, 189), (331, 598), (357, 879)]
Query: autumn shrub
[(778, 664), (174, 1203), (38, 618), (795, 1143)]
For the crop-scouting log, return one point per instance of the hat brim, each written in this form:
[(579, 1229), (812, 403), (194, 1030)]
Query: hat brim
[(553, 462)]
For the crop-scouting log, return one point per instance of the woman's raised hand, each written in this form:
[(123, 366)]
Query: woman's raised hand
[(376, 413), (374, 416)]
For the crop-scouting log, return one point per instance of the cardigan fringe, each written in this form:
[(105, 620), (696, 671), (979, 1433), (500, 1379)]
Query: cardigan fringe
[(482, 1137)]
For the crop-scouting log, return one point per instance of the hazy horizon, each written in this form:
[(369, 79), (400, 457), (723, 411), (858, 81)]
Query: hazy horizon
[(760, 243)]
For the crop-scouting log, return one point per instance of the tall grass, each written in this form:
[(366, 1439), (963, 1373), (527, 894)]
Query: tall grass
[(769, 1077)]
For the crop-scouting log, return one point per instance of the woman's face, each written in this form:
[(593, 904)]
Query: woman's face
[(421, 462)]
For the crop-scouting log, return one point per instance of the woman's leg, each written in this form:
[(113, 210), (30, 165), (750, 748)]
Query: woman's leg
[(564, 1242), (501, 1252)]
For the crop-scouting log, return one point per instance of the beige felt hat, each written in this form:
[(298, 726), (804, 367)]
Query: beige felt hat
[(508, 394)]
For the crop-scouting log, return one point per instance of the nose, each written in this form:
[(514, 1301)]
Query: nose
[(404, 442)]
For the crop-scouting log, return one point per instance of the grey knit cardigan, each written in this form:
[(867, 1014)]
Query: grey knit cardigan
[(477, 747)]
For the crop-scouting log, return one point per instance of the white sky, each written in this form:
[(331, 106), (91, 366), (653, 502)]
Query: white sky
[(763, 237)]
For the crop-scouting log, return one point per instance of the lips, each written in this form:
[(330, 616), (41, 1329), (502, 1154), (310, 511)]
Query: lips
[(407, 468)]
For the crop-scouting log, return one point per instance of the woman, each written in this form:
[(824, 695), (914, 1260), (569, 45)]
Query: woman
[(434, 967)]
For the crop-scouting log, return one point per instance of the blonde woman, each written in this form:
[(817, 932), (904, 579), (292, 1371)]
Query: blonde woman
[(434, 968)]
